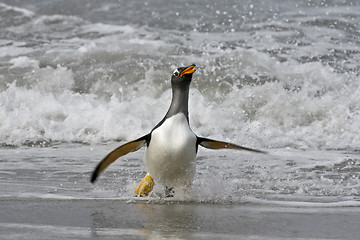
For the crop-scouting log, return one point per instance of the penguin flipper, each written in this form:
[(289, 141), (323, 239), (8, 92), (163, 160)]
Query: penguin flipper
[(214, 144), (116, 153)]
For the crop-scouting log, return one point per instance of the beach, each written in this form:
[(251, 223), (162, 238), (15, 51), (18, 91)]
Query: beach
[(117, 219)]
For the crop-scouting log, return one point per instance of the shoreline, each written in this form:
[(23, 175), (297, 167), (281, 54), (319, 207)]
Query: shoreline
[(93, 219)]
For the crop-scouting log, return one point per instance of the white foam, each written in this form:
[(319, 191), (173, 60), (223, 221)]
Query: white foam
[(108, 28), (23, 61), (23, 11), (303, 204), (14, 49), (323, 113), (50, 111)]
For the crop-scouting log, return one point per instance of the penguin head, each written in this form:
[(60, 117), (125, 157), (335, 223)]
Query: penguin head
[(182, 75)]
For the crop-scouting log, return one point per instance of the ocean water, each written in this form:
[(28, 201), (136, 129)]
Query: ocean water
[(78, 78), (270, 77)]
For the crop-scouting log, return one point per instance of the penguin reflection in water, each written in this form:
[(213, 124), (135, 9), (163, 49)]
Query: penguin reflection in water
[(171, 145)]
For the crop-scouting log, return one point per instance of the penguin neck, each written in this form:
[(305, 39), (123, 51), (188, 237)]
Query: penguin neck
[(179, 102)]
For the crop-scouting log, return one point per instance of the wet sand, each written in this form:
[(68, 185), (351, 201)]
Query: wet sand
[(116, 219)]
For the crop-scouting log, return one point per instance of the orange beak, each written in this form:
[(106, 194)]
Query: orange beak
[(188, 70)]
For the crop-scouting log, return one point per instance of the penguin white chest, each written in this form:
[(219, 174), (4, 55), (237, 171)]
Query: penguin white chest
[(170, 156)]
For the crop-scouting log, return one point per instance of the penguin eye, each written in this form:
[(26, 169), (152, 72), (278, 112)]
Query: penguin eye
[(176, 73)]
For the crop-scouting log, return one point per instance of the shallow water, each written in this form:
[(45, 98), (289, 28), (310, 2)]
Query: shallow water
[(287, 194), (282, 177), (114, 219), (78, 78)]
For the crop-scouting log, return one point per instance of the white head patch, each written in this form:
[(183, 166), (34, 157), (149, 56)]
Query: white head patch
[(176, 73)]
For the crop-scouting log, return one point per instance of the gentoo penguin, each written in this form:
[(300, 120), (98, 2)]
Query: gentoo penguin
[(171, 144)]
